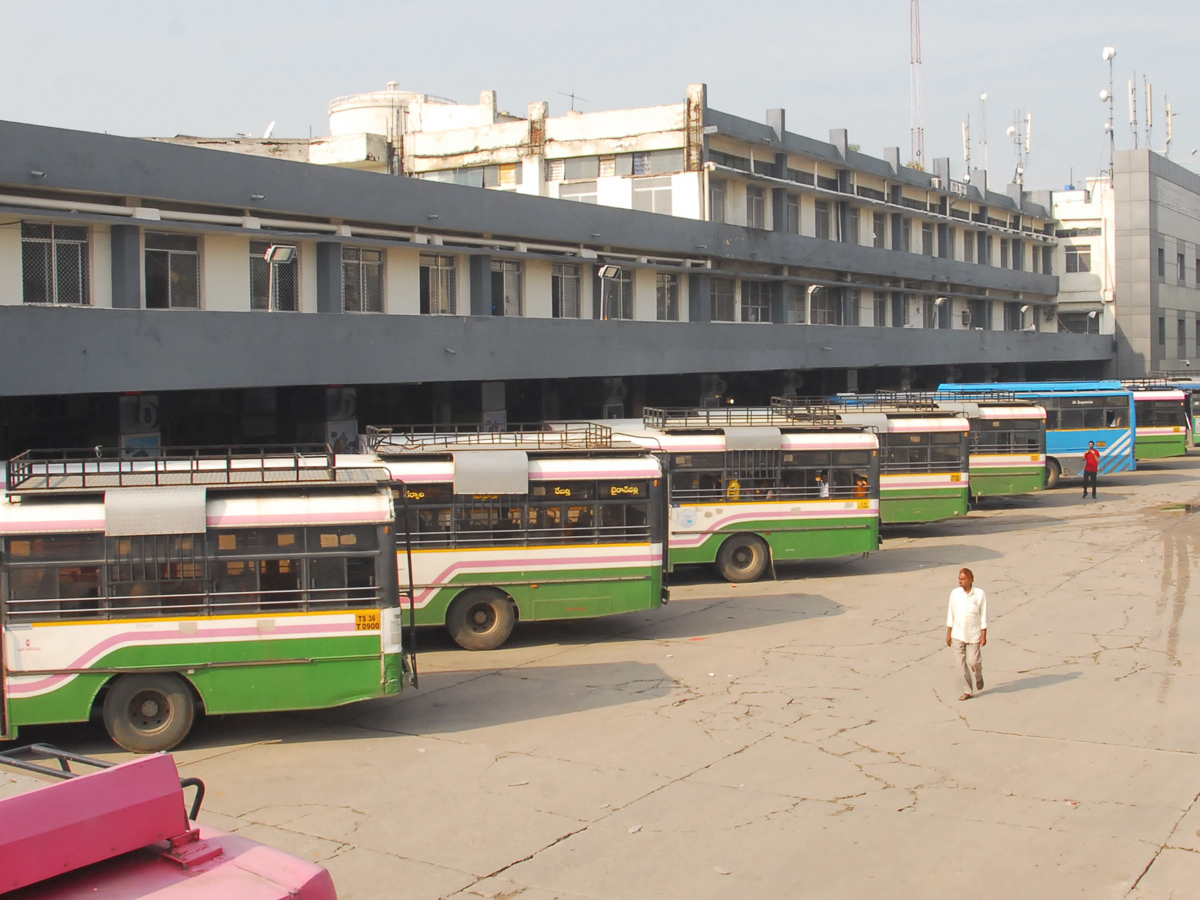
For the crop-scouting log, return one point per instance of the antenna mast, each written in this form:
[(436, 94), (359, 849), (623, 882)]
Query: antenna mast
[(1149, 112), (1107, 97), (1133, 110), (917, 127), (983, 129)]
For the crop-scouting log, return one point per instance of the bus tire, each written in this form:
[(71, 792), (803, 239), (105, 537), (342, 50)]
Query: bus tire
[(480, 619), (743, 557), (149, 713), (1053, 473)]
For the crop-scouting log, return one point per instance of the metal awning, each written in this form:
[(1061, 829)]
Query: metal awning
[(878, 421), (753, 437), (157, 510), (491, 472)]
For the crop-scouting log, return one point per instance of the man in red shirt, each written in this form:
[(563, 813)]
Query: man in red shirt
[(1091, 468)]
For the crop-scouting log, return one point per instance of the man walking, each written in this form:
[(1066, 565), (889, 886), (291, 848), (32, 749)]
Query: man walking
[(966, 630), (1091, 468)]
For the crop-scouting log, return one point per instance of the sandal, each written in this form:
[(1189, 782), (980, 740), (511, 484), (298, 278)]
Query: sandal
[(965, 697)]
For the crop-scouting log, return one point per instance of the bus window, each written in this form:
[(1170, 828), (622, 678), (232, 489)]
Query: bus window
[(581, 523), (279, 581), (235, 586), (945, 448)]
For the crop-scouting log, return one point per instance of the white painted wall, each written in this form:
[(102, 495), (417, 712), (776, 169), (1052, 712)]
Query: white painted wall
[(308, 276), (10, 265), (402, 279), (645, 295), (225, 272), (99, 266)]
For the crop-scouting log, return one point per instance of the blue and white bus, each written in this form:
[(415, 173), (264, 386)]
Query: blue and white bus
[(1077, 412)]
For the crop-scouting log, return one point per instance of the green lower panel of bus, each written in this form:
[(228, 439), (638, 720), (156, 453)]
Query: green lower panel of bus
[(820, 539), (1159, 446), (1006, 482), (235, 677), (933, 505), (570, 594)]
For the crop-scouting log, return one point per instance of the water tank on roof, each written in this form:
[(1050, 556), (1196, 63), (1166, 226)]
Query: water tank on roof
[(377, 112)]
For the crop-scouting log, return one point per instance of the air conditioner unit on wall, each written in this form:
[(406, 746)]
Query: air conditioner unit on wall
[(966, 318)]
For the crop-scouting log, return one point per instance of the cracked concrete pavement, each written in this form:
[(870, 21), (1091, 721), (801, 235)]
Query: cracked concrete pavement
[(784, 739)]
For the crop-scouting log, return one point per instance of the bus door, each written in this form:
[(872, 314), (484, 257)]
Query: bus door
[(3, 643), (660, 524)]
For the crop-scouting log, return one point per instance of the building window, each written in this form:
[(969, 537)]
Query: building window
[(668, 297), (881, 310), (172, 271), (1079, 259), (617, 295), (274, 285), (756, 208), (1047, 260), (362, 280), (580, 167), (1004, 253), (793, 214), (879, 230), (822, 220), (968, 246), (554, 170), (827, 306), (580, 192), (906, 234), (1018, 256), (439, 285), (1162, 329), (653, 195), (564, 291), (756, 301), (507, 288), (852, 225), (1181, 269), (1181, 338), (54, 261), (899, 309), (1079, 323), (927, 238), (796, 297), (716, 200), (1014, 319), (658, 162), (1035, 259), (723, 300), (979, 314), (852, 306), (1162, 263)]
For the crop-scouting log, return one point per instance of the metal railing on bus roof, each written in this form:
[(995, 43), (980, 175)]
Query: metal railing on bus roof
[(681, 418), (971, 395), (98, 468), (397, 439), (1150, 383)]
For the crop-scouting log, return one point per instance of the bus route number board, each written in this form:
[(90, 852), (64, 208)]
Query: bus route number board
[(367, 621)]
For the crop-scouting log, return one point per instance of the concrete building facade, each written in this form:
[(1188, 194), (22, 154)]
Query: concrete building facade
[(158, 293)]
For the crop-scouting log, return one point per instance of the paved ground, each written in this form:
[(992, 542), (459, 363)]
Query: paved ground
[(789, 739)]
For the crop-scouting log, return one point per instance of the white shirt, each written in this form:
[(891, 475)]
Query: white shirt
[(966, 616)]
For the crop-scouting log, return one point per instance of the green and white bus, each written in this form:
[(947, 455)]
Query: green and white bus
[(1007, 447), (523, 524), (924, 463), (1161, 420), (750, 487), (199, 580)]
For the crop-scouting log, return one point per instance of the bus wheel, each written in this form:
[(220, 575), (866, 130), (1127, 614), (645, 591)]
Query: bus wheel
[(148, 713), (480, 619), (743, 557), (1053, 473)]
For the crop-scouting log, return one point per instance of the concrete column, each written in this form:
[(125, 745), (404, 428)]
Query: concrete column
[(778, 303), (329, 277), (779, 209), (126, 267), (699, 298), (480, 275)]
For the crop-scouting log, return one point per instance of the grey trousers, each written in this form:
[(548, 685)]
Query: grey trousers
[(969, 661)]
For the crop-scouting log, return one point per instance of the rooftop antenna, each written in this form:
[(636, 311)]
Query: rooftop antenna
[(1149, 111), (1133, 110), (983, 129), (917, 127), (574, 97), (270, 130), (1107, 97), (1021, 142), (1170, 128), (966, 129)]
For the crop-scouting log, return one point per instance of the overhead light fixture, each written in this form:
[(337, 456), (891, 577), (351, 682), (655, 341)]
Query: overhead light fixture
[(939, 301), (609, 271), (1025, 308), (280, 253)]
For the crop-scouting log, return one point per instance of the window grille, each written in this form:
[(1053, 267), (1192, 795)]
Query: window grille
[(564, 291), (716, 200), (756, 208), (822, 220), (438, 284), (273, 285), (54, 263), (756, 301), (653, 195), (668, 297), (618, 297), (362, 279), (723, 300), (796, 297), (507, 288)]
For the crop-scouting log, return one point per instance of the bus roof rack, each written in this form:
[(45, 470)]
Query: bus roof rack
[(706, 417), (92, 469), (396, 440), (1154, 381)]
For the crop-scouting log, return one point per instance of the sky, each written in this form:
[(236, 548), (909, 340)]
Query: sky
[(217, 67)]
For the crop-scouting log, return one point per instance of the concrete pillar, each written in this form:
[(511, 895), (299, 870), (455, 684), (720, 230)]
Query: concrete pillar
[(329, 277), (699, 298), (126, 267), (480, 277)]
